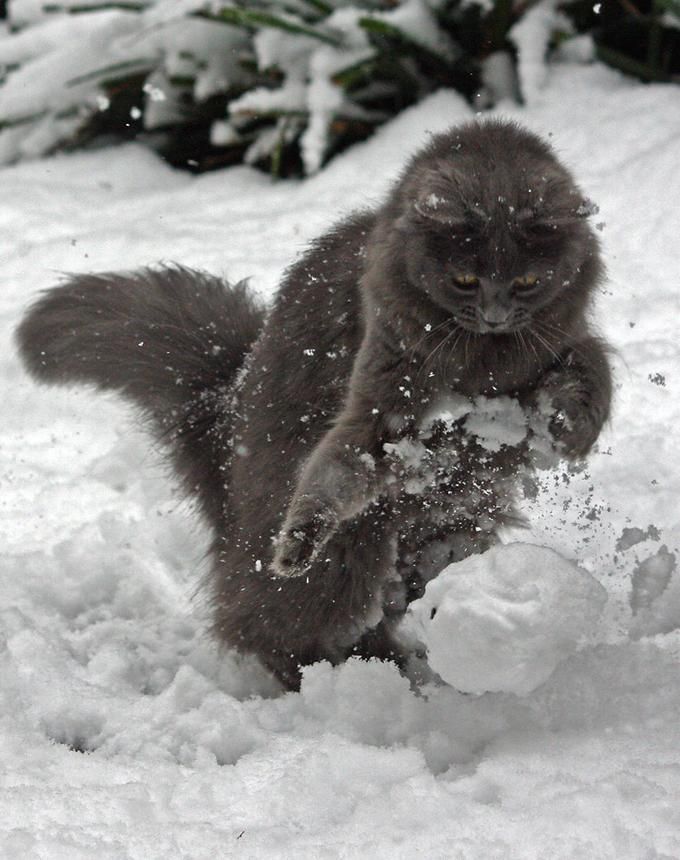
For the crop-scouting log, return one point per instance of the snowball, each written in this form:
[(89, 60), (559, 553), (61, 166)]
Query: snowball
[(503, 620)]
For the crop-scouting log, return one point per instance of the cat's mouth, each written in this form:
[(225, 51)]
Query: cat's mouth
[(481, 326)]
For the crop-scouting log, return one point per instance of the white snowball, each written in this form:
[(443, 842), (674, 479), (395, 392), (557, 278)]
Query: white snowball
[(503, 620)]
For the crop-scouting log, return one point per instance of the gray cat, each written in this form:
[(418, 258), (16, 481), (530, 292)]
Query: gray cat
[(472, 281)]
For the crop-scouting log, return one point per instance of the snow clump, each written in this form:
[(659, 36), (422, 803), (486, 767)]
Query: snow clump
[(503, 621)]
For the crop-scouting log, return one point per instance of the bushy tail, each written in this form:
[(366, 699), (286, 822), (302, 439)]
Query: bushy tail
[(169, 339)]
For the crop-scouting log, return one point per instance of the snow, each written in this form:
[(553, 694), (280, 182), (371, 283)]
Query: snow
[(53, 76), (63, 60), (124, 734), (504, 620), (532, 35), (416, 19), (492, 424)]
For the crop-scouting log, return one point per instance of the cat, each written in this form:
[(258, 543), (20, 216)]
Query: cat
[(288, 426)]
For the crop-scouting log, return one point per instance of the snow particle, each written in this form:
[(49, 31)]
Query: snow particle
[(587, 208)]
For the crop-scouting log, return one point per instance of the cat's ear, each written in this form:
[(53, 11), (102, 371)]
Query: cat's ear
[(436, 200), (550, 222), (434, 207), (580, 209)]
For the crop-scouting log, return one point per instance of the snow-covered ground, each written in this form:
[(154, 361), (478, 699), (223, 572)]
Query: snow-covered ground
[(123, 734)]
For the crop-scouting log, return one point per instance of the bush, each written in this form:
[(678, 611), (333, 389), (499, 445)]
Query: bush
[(285, 84)]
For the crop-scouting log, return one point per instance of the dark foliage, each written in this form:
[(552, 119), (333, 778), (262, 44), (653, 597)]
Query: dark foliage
[(227, 98)]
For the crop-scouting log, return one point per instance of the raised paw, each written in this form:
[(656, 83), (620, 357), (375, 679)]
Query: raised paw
[(301, 540), (573, 426)]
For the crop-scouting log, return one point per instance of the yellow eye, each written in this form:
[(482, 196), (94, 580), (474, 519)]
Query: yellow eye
[(528, 282), (467, 282)]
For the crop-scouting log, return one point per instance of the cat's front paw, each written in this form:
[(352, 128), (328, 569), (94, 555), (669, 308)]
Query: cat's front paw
[(574, 423), (299, 543)]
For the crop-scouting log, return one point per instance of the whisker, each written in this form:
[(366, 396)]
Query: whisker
[(442, 353), (522, 343), (453, 348), (533, 347), (545, 344), (553, 329), (515, 335), (465, 344), (426, 363), (431, 333)]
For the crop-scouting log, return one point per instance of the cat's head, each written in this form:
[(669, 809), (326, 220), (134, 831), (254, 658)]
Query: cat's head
[(493, 228)]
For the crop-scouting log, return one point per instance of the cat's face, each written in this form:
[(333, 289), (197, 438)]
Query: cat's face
[(490, 277), (493, 237)]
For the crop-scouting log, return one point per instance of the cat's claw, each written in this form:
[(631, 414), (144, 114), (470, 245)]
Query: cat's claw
[(573, 427), (574, 416), (299, 544), (294, 554)]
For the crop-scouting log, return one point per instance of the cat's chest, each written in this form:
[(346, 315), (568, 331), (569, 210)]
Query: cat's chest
[(490, 371)]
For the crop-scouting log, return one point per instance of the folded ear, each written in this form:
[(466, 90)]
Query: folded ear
[(441, 211), (437, 199), (546, 223)]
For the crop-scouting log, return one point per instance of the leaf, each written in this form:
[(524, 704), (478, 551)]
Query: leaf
[(399, 39), (630, 65), (106, 72), (125, 5), (253, 20)]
